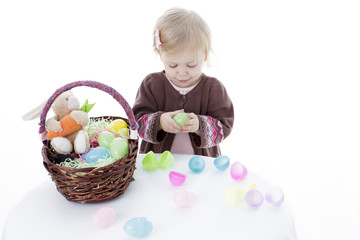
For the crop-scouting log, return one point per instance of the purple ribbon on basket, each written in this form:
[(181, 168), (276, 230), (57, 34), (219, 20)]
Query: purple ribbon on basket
[(93, 84)]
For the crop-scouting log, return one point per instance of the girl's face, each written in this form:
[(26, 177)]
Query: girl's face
[(184, 69)]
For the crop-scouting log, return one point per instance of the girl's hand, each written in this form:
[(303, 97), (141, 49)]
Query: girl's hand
[(168, 124), (191, 125)]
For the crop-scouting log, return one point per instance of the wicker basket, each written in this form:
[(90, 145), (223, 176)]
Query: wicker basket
[(89, 185)]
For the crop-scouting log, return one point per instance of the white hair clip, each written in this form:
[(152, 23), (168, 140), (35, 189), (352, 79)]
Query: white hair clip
[(157, 39)]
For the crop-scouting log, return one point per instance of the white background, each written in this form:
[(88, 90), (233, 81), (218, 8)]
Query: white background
[(292, 69)]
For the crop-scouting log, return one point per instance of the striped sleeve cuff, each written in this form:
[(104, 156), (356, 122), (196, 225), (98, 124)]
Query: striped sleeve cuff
[(211, 132)]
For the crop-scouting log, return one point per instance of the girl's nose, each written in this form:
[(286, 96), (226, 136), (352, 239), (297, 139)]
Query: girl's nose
[(183, 71)]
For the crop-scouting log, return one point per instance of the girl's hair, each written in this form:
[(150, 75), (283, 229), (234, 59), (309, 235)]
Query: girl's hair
[(179, 28)]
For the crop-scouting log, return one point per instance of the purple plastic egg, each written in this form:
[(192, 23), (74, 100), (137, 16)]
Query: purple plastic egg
[(177, 178), (275, 196), (104, 217), (238, 171), (83, 156), (254, 198)]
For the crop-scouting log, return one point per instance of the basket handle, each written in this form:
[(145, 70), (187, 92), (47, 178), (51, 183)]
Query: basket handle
[(111, 91)]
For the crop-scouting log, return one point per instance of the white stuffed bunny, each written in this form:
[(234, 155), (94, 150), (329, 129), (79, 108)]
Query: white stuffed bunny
[(65, 129)]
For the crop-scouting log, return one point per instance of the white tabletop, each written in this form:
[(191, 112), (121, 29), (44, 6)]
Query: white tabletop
[(46, 214)]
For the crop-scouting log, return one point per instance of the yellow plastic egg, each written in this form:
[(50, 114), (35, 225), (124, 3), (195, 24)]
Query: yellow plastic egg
[(117, 124), (124, 132), (233, 196), (251, 186)]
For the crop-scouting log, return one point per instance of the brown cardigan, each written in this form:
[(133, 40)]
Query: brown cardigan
[(208, 100)]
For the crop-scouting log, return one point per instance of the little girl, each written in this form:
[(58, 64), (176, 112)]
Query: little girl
[(182, 40)]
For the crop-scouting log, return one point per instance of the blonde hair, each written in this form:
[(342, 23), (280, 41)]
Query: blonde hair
[(178, 29)]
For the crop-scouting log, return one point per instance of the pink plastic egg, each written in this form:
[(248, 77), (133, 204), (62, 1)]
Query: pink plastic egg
[(104, 217), (177, 178), (238, 171), (185, 198)]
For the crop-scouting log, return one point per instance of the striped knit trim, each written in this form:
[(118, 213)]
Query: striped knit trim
[(212, 131), (146, 127)]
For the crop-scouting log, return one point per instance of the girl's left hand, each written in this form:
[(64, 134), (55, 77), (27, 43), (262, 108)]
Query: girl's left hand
[(191, 125)]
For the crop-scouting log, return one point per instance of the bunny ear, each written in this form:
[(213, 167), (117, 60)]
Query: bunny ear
[(35, 113)]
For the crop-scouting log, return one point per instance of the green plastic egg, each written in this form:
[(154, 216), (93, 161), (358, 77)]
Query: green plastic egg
[(166, 160), (150, 161), (119, 147), (180, 118), (105, 139)]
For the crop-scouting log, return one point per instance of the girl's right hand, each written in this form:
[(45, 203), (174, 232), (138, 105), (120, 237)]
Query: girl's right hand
[(168, 124)]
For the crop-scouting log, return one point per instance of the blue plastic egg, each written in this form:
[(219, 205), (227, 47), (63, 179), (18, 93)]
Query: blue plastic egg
[(97, 153), (138, 227), (197, 164), (222, 163)]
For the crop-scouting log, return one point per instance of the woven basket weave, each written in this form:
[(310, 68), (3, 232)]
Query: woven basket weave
[(89, 185)]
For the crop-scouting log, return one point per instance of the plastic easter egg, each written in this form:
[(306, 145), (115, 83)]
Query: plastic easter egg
[(196, 164), (275, 196), (177, 178), (251, 186), (166, 160), (124, 132), (222, 162), (119, 147), (233, 196), (180, 118), (105, 139), (104, 217), (97, 153), (150, 161), (238, 171), (139, 227), (185, 198), (116, 125), (254, 198)]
